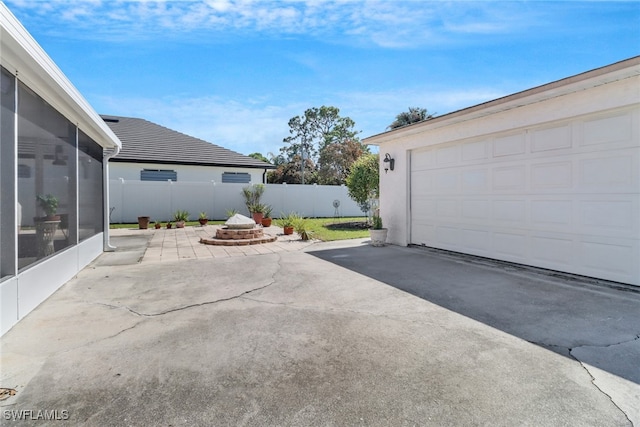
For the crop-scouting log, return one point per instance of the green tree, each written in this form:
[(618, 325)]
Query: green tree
[(336, 159), (363, 181), (414, 115), (290, 172), (313, 132), (259, 156)]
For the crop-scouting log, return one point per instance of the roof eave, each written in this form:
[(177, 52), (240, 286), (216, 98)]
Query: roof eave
[(617, 71), (24, 57)]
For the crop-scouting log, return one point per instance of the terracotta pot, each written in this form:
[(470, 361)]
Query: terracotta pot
[(143, 222), (179, 224), (266, 222), (257, 217), (158, 226), (169, 225), (288, 230)]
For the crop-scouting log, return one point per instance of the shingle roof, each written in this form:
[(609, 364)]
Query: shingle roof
[(147, 142)]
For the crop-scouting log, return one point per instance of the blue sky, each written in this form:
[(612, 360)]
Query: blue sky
[(234, 72)]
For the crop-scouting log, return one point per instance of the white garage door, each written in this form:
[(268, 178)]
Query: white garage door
[(563, 197)]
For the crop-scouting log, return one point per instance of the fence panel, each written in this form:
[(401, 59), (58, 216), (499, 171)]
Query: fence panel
[(159, 200)]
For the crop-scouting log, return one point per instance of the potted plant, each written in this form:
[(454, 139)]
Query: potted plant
[(157, 225), (49, 204), (252, 195), (257, 212), (231, 212), (202, 219), (300, 225), (143, 222), (287, 222), (169, 225), (377, 232), (266, 220), (180, 217)]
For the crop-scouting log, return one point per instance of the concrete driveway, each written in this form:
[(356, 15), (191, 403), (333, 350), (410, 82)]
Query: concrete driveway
[(323, 334)]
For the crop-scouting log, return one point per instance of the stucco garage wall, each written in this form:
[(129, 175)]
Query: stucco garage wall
[(550, 180)]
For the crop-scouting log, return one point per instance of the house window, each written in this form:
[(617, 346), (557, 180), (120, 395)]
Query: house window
[(236, 177), (158, 175)]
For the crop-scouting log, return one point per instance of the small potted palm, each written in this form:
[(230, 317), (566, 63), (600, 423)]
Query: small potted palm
[(180, 218), (257, 212), (287, 222), (202, 219), (266, 220)]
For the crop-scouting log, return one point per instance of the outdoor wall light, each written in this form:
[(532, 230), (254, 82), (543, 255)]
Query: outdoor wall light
[(389, 163)]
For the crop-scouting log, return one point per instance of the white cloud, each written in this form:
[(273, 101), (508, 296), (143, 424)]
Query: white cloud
[(251, 125), (384, 23)]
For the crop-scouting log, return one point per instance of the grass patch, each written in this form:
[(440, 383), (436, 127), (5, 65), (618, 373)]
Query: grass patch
[(329, 229)]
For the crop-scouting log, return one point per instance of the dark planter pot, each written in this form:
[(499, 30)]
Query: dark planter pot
[(143, 222), (157, 226), (288, 230), (203, 221), (266, 222), (169, 225)]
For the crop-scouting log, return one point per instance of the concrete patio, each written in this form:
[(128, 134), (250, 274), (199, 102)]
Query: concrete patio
[(166, 332)]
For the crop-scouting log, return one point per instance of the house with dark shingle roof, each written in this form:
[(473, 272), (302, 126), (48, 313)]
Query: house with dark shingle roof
[(151, 152)]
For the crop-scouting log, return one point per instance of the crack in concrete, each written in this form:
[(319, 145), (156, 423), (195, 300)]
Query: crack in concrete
[(593, 382), (570, 349), (173, 310), (569, 352)]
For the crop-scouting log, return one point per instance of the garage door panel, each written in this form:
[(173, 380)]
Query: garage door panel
[(510, 178), (474, 151), (608, 130), (476, 210), (564, 197), (554, 251), (551, 175), (617, 259), (552, 214), (510, 246), (617, 173), (551, 139), (509, 145)]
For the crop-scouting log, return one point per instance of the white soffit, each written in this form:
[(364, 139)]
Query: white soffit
[(22, 55)]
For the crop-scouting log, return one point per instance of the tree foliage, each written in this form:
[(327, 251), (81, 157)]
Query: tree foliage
[(336, 159), (326, 141), (363, 181), (290, 172), (414, 115), (259, 156)]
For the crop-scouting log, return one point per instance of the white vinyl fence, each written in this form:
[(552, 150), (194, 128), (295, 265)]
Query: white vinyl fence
[(159, 200)]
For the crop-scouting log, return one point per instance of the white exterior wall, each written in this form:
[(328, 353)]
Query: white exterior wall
[(549, 178), (186, 173)]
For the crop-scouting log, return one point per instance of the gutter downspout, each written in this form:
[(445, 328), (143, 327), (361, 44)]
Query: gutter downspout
[(107, 154), (264, 176)]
